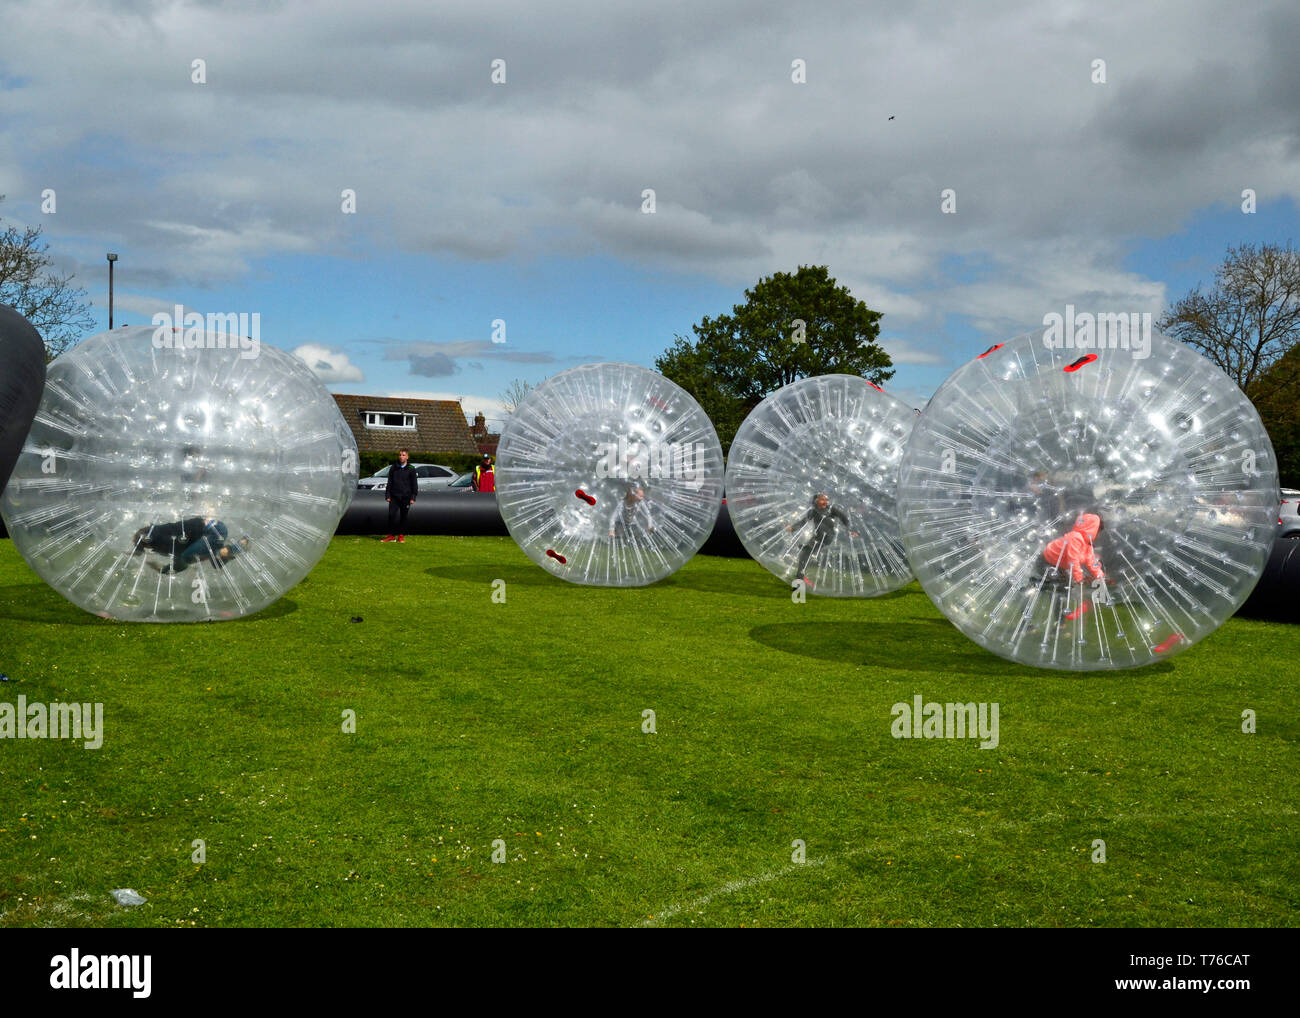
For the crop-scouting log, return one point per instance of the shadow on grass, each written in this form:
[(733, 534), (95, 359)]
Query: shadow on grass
[(534, 576), (40, 603), (920, 645), (277, 610), (524, 575), (37, 602), (756, 583)]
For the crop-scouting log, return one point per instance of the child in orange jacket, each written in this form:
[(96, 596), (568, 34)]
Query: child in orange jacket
[(1074, 550)]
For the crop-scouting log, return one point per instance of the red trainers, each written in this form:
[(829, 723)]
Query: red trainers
[(1168, 644), (387, 539), (1083, 608), (401, 538)]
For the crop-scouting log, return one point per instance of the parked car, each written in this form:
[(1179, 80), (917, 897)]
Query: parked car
[(1288, 519), (463, 484), (429, 477)]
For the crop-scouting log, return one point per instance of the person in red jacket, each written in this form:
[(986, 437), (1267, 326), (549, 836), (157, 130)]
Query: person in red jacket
[(1074, 551), (484, 467)]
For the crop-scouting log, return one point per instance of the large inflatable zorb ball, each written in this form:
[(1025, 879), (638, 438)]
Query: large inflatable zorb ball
[(610, 475), (1100, 505), (177, 481), (810, 485), (22, 377)]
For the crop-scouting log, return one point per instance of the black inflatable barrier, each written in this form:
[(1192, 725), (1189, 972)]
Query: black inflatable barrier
[(22, 380), (1276, 596), (723, 541), (467, 514), (470, 514)]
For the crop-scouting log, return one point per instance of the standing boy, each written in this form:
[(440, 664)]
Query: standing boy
[(401, 491)]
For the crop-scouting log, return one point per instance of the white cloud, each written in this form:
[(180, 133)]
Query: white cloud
[(490, 406), (141, 304), (328, 365), (753, 174), (902, 352)]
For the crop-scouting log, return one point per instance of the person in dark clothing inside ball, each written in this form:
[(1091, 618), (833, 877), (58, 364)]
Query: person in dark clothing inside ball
[(188, 541), (824, 517), (402, 488)]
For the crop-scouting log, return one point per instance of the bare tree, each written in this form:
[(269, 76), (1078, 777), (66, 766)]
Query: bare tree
[(514, 394), (49, 301), (1249, 320)]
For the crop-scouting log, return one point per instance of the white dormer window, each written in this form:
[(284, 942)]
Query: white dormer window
[(391, 421)]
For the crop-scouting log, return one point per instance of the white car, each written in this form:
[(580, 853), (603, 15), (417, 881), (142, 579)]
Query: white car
[(429, 477)]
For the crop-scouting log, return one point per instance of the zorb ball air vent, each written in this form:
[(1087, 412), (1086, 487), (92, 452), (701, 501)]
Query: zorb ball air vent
[(1102, 504), (179, 478), (810, 485), (610, 475)]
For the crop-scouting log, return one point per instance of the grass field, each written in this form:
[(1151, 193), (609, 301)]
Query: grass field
[(522, 721)]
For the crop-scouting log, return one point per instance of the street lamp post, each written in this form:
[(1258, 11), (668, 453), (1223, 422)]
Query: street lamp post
[(111, 259)]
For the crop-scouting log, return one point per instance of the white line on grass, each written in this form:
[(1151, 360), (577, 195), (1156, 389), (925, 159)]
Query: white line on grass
[(730, 888)]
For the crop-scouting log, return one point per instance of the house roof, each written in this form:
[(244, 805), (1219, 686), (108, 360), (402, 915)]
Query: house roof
[(440, 424)]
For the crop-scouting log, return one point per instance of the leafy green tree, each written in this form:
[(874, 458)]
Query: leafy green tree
[(791, 326), (689, 367)]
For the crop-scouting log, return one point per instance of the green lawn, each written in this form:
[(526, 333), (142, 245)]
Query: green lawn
[(522, 721)]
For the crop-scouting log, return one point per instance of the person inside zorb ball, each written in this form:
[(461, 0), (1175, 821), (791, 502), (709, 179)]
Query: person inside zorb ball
[(609, 475), (1088, 506), (810, 486), (169, 482)]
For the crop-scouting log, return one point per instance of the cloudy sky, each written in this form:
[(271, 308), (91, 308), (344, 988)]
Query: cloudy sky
[(522, 201)]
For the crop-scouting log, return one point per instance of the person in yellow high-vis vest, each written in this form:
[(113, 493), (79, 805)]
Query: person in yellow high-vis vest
[(484, 466)]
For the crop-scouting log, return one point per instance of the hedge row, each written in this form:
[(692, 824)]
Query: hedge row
[(373, 462)]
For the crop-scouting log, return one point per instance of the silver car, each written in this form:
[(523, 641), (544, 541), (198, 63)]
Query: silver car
[(429, 477), (1288, 520)]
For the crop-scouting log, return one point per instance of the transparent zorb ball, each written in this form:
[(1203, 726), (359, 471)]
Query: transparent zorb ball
[(1088, 508), (810, 485), (609, 475), (174, 483)]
